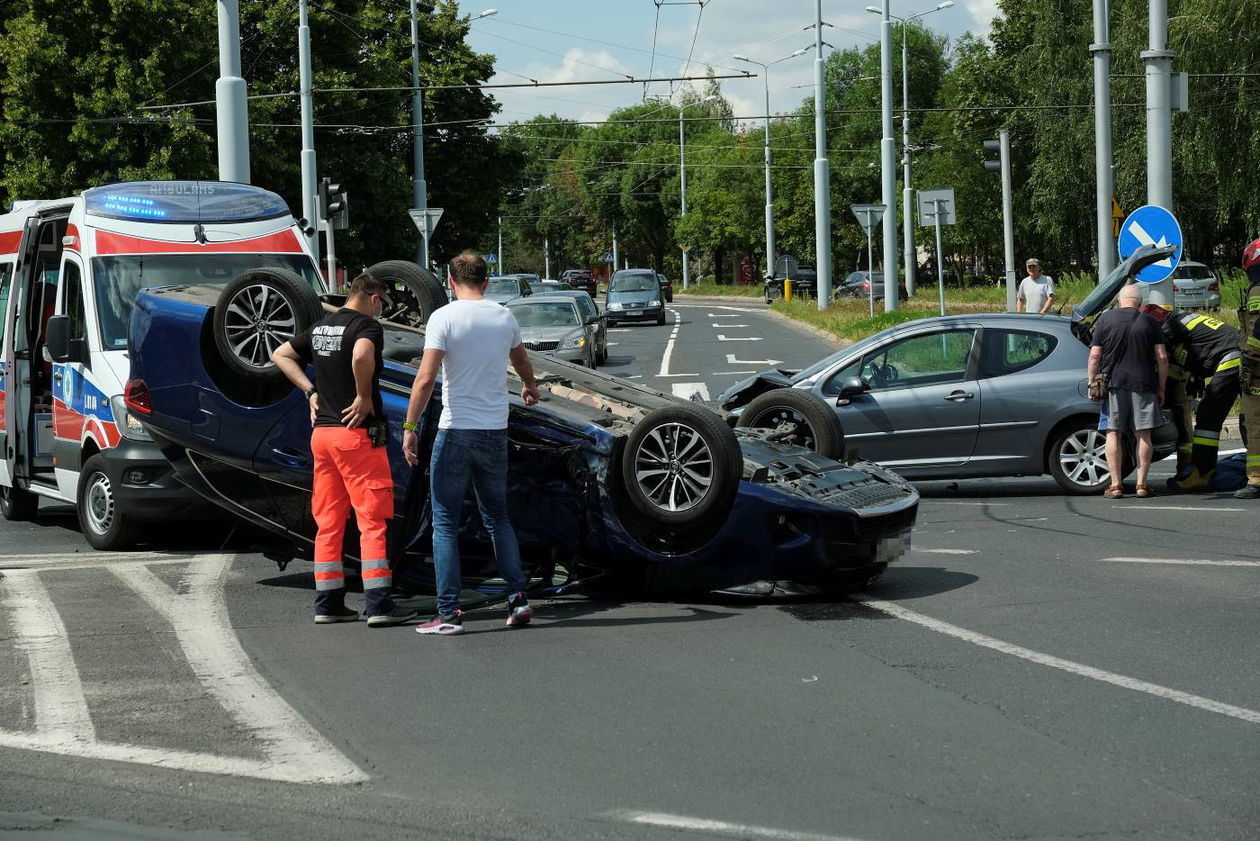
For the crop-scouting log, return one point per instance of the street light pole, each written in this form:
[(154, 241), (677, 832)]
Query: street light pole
[(682, 176), (231, 107), (1158, 61), (310, 176), (888, 151), (1103, 176), (822, 172), (765, 67)]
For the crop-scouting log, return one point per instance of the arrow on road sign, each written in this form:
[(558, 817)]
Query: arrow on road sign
[(731, 360), (1143, 237), (1151, 226)]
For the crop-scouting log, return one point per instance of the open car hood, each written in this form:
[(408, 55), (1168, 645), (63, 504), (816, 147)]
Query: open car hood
[(1105, 292)]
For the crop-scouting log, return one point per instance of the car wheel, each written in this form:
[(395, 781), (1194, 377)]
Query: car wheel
[(17, 505), (414, 292), (103, 523), (1077, 459), (257, 313), (804, 418), (681, 466)]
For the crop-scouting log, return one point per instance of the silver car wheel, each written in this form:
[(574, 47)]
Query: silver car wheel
[(1083, 457), (99, 504), (258, 321), (674, 467)]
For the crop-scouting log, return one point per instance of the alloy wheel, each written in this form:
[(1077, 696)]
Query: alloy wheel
[(1083, 457), (259, 320), (674, 467)]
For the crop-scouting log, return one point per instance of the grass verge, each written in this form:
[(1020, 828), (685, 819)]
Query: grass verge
[(719, 290)]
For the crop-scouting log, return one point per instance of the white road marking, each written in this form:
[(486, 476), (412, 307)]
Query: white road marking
[(947, 551), (1040, 658), (686, 390), (204, 631), (955, 502), (732, 830), (674, 376), (87, 560), (612, 344), (731, 360), (722, 338), (727, 373), (669, 345), (716, 307), (1182, 508), (632, 377), (1205, 562), (61, 712), (732, 325), (723, 315)]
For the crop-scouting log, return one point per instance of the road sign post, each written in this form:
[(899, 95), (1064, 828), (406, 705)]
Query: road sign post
[(1151, 225), (869, 216), (936, 207)]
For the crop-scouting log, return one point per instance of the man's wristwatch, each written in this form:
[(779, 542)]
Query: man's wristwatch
[(309, 392), (410, 427)]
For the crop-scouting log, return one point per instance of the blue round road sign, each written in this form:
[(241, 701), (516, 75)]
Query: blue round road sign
[(1151, 225)]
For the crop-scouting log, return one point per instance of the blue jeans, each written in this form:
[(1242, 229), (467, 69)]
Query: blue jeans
[(481, 454)]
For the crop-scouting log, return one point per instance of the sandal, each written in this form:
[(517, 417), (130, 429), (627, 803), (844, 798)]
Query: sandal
[(1114, 492), (1144, 492)]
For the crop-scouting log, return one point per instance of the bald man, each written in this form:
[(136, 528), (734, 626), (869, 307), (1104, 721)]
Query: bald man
[(1129, 348)]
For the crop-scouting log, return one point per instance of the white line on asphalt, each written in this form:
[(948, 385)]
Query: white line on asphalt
[(1040, 658), (686, 390), (669, 346), (732, 325), (956, 502), (204, 631), (723, 315), (632, 377), (731, 360), (724, 373), (612, 344), (732, 830), (87, 560), (674, 376), (946, 551), (715, 307), (1181, 508), (618, 329), (722, 338), (1203, 562), (61, 712)]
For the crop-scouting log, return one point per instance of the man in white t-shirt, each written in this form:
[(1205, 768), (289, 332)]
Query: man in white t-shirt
[(470, 340), (1036, 292)]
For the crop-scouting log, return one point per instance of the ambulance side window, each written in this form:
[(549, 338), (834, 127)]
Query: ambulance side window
[(72, 283)]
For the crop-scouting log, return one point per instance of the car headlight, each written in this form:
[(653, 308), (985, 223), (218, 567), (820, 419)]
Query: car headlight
[(127, 423), (614, 306), (574, 342), (654, 303)]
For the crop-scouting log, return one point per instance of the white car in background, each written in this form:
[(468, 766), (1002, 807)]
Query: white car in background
[(1196, 287)]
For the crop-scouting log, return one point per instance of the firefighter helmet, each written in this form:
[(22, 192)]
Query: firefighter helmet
[(1156, 312), (1251, 255)]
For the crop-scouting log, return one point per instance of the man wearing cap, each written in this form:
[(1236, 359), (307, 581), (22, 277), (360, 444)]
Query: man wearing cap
[(1036, 292)]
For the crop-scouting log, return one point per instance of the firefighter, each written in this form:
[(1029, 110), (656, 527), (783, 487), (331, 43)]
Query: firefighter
[(1205, 360), (1249, 375)]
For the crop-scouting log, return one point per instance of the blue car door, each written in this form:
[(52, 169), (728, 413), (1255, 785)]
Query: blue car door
[(922, 411)]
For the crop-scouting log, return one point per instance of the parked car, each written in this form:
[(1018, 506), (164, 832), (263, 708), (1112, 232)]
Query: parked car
[(667, 286), (1195, 287), (549, 287), (804, 284), (959, 396), (555, 325), (606, 476), (634, 295), (858, 285), (581, 279), (589, 308), (507, 288)]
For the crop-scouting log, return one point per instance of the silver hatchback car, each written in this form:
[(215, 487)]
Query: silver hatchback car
[(956, 397)]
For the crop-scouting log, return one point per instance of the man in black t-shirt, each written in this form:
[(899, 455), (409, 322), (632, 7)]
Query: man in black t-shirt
[(344, 349), (1129, 348)]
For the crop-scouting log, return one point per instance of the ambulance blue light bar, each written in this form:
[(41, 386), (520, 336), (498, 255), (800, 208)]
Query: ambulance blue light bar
[(184, 202)]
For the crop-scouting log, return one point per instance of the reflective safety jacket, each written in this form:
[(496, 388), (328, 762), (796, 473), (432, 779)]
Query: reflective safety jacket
[(1249, 319), (1199, 346)]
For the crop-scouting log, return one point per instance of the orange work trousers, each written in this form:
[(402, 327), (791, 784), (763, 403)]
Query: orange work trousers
[(350, 473)]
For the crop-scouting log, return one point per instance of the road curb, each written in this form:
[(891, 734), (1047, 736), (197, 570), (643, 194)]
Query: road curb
[(813, 330)]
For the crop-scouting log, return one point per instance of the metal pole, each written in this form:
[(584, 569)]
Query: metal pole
[(822, 173), (682, 174), (1103, 175), (769, 199), (332, 256), (231, 107), (419, 187), (1008, 218), (940, 257), (907, 194), (310, 186), (502, 262), (546, 257), (614, 262), (870, 264), (888, 162), (1159, 127)]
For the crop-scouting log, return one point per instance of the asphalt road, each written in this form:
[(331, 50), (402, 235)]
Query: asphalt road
[(1038, 667)]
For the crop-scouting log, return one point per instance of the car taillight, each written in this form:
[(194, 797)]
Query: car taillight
[(1214, 287), (136, 396)]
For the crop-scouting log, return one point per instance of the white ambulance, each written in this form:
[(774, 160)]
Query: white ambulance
[(69, 273)]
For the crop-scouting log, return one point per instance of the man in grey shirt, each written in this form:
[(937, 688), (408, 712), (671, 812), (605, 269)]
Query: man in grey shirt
[(1036, 292)]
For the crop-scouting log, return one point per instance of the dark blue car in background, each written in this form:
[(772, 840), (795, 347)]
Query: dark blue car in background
[(606, 477)]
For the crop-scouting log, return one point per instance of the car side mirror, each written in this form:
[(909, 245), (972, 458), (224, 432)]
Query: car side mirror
[(58, 342), (594, 319), (850, 388)]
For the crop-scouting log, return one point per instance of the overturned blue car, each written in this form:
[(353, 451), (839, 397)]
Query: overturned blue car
[(607, 478)]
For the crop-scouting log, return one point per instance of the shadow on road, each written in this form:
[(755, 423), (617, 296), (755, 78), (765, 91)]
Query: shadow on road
[(895, 585)]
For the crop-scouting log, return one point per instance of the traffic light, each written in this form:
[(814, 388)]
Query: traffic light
[(993, 147), (334, 204)]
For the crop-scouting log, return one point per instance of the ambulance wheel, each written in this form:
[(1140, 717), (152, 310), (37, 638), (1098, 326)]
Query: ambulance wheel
[(104, 525), (17, 504), (414, 292), (257, 313)]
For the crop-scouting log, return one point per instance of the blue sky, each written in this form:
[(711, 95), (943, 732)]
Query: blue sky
[(570, 40)]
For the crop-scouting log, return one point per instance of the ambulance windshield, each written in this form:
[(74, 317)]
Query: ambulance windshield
[(117, 280)]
